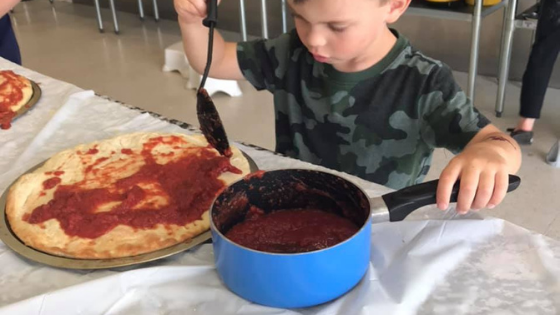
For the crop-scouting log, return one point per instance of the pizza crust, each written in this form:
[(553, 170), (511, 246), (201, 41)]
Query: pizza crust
[(122, 241), (26, 89)]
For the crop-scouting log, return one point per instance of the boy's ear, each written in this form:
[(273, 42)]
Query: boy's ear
[(397, 8)]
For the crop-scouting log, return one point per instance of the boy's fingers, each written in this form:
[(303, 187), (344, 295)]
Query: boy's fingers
[(500, 189), (467, 190), (485, 190), (197, 7), (446, 181), (200, 7)]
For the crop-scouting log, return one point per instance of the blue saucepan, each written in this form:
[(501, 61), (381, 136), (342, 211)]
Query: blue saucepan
[(305, 279)]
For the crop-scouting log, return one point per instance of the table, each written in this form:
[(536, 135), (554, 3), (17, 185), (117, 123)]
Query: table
[(433, 263)]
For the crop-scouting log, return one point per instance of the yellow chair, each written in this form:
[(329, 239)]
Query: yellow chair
[(484, 3)]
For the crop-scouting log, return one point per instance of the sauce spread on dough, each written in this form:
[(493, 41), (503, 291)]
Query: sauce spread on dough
[(51, 183), (92, 151), (55, 173), (291, 231), (11, 93), (188, 184)]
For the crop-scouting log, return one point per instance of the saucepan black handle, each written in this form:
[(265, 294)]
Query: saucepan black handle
[(212, 17), (403, 202)]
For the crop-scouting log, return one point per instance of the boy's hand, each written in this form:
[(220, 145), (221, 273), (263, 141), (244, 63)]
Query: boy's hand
[(191, 11), (195, 40), (483, 168)]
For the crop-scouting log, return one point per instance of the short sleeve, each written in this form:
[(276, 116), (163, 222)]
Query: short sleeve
[(450, 119), (264, 62)]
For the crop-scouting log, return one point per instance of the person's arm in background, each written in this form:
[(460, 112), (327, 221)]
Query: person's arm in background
[(6, 6)]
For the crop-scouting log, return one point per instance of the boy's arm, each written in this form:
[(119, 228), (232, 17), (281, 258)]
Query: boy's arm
[(485, 156), (483, 168), (195, 42)]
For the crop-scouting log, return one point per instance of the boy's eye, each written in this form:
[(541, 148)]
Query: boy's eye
[(295, 16), (299, 19), (337, 29)]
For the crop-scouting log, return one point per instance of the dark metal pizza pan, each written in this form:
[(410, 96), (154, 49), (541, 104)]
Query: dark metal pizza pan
[(12, 241), (32, 101)]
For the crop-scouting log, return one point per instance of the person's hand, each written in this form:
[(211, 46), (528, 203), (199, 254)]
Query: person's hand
[(191, 11), (483, 171), (6, 6)]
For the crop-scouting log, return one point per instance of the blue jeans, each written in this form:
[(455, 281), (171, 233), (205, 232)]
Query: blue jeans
[(9, 48)]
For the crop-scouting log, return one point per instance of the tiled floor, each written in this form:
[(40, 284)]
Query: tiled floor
[(62, 41)]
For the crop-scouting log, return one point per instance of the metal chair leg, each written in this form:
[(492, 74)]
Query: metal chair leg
[(243, 20), (553, 156), (505, 55), (114, 12), (156, 10), (284, 20), (141, 9), (98, 13), (264, 19), (475, 44)]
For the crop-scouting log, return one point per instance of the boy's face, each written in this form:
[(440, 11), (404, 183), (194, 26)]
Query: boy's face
[(340, 32)]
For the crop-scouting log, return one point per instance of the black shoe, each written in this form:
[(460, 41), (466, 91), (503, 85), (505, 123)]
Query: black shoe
[(526, 16), (522, 137)]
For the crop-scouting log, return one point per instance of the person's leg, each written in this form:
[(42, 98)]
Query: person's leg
[(541, 62), (539, 69), (536, 79), (9, 48)]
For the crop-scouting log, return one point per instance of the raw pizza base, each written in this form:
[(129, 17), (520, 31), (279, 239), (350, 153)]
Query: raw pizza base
[(26, 88), (25, 195)]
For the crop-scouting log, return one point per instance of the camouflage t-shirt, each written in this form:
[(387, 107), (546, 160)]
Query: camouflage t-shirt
[(381, 124)]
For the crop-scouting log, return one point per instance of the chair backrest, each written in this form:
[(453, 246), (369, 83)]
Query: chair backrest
[(264, 19)]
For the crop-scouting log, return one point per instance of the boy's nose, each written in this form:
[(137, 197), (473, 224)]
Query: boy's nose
[(316, 39)]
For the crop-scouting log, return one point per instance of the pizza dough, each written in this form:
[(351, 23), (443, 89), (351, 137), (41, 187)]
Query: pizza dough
[(15, 92), (121, 197)]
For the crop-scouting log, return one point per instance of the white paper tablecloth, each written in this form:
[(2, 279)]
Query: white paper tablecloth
[(434, 263)]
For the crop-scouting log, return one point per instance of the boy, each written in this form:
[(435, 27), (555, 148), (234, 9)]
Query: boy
[(351, 94)]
